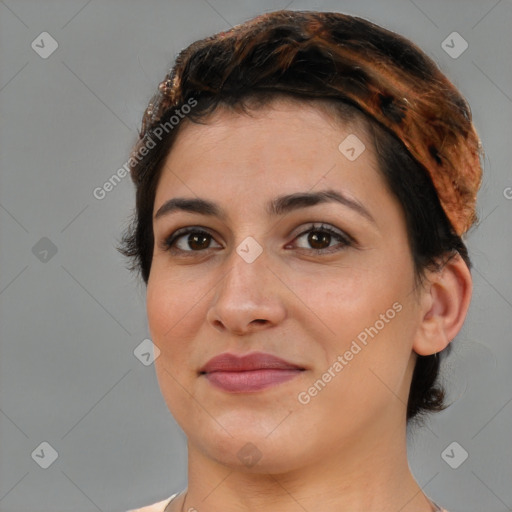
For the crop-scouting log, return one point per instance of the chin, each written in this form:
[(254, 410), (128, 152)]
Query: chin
[(251, 449)]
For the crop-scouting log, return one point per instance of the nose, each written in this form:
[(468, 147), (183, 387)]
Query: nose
[(247, 299)]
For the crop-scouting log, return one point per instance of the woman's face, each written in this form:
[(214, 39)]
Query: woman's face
[(301, 253)]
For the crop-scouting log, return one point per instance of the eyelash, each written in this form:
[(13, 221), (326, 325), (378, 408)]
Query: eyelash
[(168, 244)]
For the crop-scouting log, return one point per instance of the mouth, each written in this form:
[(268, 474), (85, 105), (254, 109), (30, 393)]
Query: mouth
[(249, 373)]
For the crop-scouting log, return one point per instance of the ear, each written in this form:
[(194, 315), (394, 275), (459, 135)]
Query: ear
[(444, 303)]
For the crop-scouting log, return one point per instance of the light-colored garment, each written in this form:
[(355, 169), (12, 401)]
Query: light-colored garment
[(161, 505), (156, 507)]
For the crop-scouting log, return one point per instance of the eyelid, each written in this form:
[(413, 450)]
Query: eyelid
[(346, 239), (169, 243), (323, 226)]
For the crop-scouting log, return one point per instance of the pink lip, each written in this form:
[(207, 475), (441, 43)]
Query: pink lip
[(252, 372)]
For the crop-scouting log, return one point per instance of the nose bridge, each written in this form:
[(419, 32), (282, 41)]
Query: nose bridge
[(245, 279), (246, 297)]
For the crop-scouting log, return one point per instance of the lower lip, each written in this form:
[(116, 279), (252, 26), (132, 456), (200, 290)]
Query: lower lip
[(254, 380)]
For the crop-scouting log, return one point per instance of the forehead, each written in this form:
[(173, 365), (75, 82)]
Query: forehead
[(294, 119), (285, 146)]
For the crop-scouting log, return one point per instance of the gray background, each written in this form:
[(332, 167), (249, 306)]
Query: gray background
[(70, 321)]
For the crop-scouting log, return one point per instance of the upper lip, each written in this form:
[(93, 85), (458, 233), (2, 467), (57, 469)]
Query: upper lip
[(227, 362)]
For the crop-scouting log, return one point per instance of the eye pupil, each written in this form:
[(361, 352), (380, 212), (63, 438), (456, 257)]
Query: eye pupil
[(198, 241), (319, 239)]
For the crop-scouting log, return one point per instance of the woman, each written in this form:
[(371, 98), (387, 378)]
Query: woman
[(303, 183)]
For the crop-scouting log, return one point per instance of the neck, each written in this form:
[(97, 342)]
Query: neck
[(370, 473)]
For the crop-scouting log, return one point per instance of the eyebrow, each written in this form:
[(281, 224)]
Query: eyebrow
[(278, 206)]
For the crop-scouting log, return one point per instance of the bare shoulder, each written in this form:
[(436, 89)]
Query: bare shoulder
[(155, 507)]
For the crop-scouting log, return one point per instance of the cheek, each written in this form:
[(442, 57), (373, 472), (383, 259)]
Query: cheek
[(370, 320), (351, 298), (171, 307), (367, 374), (173, 311)]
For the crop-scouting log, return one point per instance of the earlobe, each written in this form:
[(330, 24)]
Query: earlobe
[(444, 305)]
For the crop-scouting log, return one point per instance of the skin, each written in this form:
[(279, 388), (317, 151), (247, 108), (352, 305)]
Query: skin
[(345, 450)]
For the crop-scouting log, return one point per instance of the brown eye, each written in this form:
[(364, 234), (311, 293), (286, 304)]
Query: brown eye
[(198, 241), (323, 239), (319, 239), (189, 240)]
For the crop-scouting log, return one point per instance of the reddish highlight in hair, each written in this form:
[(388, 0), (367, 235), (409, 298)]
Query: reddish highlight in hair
[(336, 56)]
